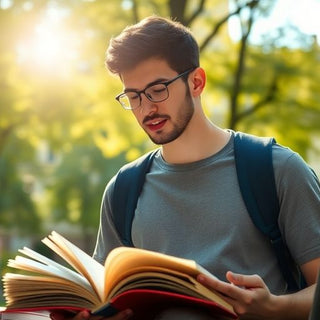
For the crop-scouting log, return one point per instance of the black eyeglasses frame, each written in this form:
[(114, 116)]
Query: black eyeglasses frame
[(165, 83)]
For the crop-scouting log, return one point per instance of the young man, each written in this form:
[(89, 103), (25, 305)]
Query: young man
[(191, 205)]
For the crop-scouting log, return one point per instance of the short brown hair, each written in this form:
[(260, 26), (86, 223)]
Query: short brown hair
[(153, 37)]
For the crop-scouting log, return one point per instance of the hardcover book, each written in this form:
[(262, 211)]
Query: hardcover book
[(142, 280)]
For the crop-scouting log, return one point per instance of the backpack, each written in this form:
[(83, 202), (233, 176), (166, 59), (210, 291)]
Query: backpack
[(253, 159)]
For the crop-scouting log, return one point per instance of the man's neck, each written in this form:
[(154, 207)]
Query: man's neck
[(197, 144)]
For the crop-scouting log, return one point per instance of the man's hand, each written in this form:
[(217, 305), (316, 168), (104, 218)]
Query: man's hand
[(85, 315), (249, 295)]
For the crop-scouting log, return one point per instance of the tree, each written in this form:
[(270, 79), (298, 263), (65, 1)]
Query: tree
[(67, 100)]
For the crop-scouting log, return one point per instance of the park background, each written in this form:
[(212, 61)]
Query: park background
[(63, 135)]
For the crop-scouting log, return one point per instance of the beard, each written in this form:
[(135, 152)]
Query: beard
[(183, 118)]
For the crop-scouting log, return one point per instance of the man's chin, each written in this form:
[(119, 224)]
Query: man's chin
[(162, 140)]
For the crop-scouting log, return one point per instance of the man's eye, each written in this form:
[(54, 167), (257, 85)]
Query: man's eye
[(133, 96), (157, 89)]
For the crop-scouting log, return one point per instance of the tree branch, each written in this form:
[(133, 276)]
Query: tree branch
[(217, 27), (270, 96), (135, 11), (196, 13), (240, 69)]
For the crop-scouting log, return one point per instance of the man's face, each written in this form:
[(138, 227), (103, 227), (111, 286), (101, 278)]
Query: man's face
[(163, 121)]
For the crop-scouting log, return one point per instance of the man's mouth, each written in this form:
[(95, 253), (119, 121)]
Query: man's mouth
[(155, 125)]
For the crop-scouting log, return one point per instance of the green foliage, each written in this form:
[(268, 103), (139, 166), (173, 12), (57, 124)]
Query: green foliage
[(65, 97), (78, 183), (18, 211)]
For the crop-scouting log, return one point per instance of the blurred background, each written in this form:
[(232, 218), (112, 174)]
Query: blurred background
[(63, 135)]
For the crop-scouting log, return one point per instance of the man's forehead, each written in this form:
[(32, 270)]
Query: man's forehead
[(146, 74)]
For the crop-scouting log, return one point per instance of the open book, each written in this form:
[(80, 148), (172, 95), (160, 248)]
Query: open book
[(142, 280)]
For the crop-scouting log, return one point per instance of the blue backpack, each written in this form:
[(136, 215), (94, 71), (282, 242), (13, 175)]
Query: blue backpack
[(253, 159)]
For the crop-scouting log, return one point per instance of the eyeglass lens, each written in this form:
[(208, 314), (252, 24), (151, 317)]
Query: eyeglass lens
[(155, 93)]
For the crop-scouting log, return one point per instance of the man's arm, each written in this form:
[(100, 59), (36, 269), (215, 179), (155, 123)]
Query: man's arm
[(310, 271), (251, 298)]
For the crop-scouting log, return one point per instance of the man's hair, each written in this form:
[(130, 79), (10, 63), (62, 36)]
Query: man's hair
[(153, 37)]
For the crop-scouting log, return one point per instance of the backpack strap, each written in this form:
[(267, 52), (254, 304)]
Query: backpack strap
[(127, 188), (253, 157)]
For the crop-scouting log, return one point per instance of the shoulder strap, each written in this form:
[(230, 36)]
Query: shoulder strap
[(127, 188), (253, 157)]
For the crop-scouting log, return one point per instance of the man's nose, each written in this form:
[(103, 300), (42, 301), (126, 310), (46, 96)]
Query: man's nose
[(147, 106)]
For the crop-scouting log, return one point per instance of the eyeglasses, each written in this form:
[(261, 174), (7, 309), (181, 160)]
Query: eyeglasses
[(158, 92)]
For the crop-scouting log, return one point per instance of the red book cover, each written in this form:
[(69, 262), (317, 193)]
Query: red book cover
[(145, 303)]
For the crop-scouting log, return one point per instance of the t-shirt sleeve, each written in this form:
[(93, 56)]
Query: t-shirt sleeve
[(299, 196)]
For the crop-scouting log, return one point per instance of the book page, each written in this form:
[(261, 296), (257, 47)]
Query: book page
[(173, 281), (78, 259), (30, 288), (70, 274), (30, 265), (124, 261)]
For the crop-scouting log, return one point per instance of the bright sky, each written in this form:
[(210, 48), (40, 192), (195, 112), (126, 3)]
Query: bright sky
[(303, 14)]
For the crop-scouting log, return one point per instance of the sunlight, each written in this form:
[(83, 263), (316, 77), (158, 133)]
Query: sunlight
[(50, 45), (47, 45), (5, 4)]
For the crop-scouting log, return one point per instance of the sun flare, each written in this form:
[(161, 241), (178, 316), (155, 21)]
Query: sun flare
[(48, 46)]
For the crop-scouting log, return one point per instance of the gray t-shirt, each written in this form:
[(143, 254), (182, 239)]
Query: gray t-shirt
[(196, 211)]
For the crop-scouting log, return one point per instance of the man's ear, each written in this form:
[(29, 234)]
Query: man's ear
[(197, 81)]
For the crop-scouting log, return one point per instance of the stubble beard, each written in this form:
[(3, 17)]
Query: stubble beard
[(183, 118)]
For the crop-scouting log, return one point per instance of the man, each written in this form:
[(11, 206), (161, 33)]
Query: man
[(191, 204)]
